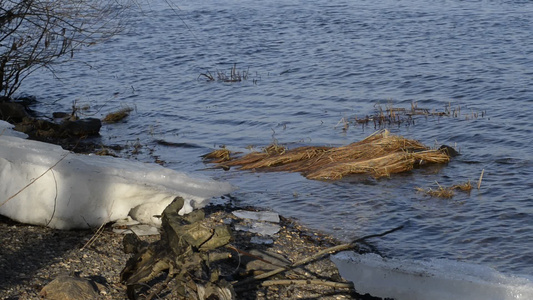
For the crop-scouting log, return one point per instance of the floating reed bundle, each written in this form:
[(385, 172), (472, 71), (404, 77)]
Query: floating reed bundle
[(379, 155), (446, 192), (118, 115)]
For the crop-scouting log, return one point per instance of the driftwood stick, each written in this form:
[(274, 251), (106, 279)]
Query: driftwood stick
[(334, 284), (318, 255), (480, 179)]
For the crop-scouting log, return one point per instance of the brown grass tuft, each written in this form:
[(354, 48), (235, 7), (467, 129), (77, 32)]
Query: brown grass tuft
[(446, 192), (441, 192), (464, 187), (118, 115), (218, 156)]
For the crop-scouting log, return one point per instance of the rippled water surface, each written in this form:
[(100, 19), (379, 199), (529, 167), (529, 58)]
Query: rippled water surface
[(311, 64)]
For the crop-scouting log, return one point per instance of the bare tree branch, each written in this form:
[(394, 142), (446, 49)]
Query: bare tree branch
[(39, 33)]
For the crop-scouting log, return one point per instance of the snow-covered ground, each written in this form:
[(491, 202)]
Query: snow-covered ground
[(43, 184), (437, 279)]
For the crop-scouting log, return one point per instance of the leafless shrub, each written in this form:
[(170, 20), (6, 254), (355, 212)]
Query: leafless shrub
[(39, 33)]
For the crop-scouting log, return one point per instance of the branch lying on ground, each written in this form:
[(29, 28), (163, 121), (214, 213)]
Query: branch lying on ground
[(317, 256), (347, 285)]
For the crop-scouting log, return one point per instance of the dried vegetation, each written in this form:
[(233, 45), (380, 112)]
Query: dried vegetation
[(396, 116), (379, 155), (118, 115), (234, 75), (446, 192)]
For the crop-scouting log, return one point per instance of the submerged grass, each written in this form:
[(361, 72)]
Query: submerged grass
[(234, 75), (388, 115)]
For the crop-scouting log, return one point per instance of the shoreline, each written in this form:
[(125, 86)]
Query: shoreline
[(33, 256)]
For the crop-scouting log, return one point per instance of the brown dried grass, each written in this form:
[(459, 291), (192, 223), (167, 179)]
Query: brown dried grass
[(441, 192), (118, 115), (379, 155), (218, 156), (447, 192), (464, 187)]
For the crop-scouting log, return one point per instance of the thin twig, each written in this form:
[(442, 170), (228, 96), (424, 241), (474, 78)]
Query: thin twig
[(55, 200), (334, 284), (94, 237), (31, 182), (239, 258)]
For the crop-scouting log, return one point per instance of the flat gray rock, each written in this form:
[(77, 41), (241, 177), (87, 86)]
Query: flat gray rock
[(267, 216), (69, 288), (261, 228)]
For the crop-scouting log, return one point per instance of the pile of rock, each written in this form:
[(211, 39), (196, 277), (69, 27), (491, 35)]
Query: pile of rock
[(65, 125), (187, 248)]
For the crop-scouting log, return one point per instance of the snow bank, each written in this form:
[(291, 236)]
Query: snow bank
[(436, 279), (80, 191)]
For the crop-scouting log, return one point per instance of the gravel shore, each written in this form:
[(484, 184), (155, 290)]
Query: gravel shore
[(32, 256)]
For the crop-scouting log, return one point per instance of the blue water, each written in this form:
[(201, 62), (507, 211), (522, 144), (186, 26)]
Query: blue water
[(311, 64)]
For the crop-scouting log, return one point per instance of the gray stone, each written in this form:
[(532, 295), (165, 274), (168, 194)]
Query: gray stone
[(260, 240), (267, 216), (261, 228), (69, 288), (140, 230), (83, 127), (14, 112)]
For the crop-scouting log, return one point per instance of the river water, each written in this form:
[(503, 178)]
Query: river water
[(312, 64)]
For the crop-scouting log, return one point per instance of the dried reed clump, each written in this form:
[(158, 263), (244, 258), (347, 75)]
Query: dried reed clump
[(105, 152), (446, 192), (218, 156), (379, 155), (118, 115), (441, 192), (464, 187)]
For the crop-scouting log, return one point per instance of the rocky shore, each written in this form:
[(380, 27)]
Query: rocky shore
[(32, 257)]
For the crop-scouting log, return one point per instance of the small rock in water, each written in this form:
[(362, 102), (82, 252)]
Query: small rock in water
[(83, 127), (267, 216), (13, 111)]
